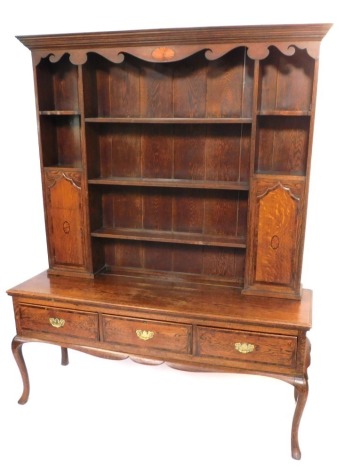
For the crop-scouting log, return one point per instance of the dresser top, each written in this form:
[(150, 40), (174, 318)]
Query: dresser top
[(170, 298)]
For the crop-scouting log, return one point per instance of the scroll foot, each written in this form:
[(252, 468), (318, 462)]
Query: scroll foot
[(17, 345)]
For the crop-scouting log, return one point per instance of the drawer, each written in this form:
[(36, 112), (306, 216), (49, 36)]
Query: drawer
[(58, 322), (146, 334), (247, 346)]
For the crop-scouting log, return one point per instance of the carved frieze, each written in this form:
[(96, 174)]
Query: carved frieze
[(53, 176), (174, 53)]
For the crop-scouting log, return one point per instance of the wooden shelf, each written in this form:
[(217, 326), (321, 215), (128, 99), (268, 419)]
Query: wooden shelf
[(154, 277), (63, 168), (170, 237), (283, 112), (55, 112), (171, 183), (167, 120), (280, 174)]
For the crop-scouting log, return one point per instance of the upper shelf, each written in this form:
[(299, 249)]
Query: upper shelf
[(170, 237), (283, 112), (168, 120), (55, 112), (171, 183)]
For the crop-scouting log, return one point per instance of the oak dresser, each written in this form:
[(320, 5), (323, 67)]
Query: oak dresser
[(175, 167)]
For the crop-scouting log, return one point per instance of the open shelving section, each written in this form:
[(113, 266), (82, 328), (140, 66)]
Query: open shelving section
[(168, 164), (171, 152)]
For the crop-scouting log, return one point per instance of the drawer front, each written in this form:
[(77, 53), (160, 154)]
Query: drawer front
[(58, 322), (147, 334), (248, 347)]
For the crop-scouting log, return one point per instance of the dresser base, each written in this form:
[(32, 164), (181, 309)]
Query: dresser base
[(188, 327)]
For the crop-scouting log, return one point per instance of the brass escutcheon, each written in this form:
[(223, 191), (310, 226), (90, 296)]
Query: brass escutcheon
[(144, 335), (244, 348), (56, 322)]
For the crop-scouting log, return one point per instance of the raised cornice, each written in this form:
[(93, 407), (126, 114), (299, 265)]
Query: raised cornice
[(218, 35), (169, 45)]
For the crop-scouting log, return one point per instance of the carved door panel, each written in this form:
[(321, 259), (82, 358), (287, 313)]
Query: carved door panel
[(274, 249), (65, 220)]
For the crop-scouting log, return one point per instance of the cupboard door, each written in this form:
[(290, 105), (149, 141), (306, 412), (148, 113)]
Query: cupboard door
[(274, 250), (65, 219)]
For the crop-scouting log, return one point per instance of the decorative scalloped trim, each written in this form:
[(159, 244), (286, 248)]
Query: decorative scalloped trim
[(53, 177), (278, 186), (175, 53)]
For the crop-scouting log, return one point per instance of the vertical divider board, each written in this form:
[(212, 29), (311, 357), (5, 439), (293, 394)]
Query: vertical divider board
[(251, 232), (88, 264)]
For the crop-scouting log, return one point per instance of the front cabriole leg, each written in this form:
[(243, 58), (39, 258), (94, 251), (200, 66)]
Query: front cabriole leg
[(301, 395), (301, 389), (17, 344)]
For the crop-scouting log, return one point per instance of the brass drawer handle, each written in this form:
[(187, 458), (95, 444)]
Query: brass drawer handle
[(244, 348), (56, 322), (144, 335)]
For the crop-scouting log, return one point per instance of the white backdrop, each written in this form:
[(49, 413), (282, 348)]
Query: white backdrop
[(98, 414)]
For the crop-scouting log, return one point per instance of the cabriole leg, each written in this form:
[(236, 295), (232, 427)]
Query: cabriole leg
[(17, 345), (301, 389), (301, 395), (64, 356)]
